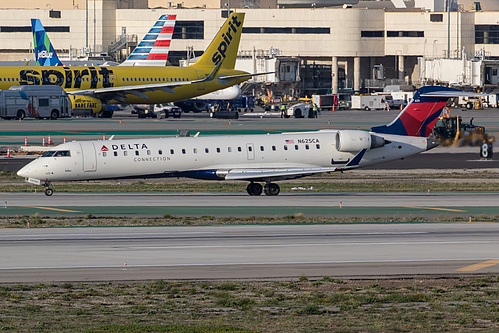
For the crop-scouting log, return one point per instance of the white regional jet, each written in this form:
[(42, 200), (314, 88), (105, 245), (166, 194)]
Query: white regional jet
[(253, 158)]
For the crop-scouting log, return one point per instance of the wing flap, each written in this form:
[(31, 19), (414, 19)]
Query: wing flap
[(274, 174)]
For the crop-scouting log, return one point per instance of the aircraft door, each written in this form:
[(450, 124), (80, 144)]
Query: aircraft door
[(200, 75), (88, 156), (250, 150)]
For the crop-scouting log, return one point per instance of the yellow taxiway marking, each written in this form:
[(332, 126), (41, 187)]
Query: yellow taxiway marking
[(57, 209), (478, 266), (436, 208)]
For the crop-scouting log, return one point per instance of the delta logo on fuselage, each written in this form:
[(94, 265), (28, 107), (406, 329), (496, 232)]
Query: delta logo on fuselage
[(125, 146), (227, 38), (67, 78)]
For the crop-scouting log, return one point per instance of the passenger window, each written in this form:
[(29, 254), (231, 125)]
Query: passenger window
[(206, 150), (104, 154), (229, 149), (273, 148), (318, 146), (250, 148), (160, 152), (172, 151), (148, 152), (239, 149), (261, 148), (137, 152), (307, 147), (296, 147), (183, 151), (115, 153), (285, 147), (125, 153), (218, 150), (195, 150)]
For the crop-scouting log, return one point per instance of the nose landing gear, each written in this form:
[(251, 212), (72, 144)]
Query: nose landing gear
[(269, 189), (49, 188)]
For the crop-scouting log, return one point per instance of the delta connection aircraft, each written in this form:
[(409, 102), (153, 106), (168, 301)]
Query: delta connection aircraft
[(254, 158), (101, 85)]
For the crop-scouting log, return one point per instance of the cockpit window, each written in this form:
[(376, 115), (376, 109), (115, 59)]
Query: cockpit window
[(62, 153), (48, 153), (57, 153)]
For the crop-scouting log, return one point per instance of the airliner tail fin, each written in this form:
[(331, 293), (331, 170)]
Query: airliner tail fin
[(153, 49), (420, 116), (45, 54), (223, 48)]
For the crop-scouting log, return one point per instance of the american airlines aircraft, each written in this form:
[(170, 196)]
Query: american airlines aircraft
[(253, 158)]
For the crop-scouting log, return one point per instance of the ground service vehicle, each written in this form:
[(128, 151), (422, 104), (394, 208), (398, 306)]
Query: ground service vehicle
[(368, 102), (325, 102), (451, 130), (34, 101), (301, 110), (164, 111)]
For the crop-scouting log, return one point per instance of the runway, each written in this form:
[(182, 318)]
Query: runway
[(247, 252), (324, 204)]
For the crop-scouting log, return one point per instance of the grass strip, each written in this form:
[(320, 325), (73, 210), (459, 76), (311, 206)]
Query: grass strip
[(319, 304)]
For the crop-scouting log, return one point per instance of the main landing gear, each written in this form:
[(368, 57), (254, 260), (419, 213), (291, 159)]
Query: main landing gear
[(49, 188), (268, 189)]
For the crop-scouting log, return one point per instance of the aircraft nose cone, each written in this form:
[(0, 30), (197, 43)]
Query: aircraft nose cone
[(23, 172)]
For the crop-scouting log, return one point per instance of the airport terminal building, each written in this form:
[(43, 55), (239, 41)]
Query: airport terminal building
[(358, 46)]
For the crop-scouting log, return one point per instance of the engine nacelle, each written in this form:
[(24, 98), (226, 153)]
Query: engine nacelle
[(87, 105), (354, 141)]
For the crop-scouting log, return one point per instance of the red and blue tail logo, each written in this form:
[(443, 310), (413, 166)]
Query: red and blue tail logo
[(420, 116)]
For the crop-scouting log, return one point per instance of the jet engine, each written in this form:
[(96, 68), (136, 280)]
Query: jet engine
[(89, 105), (354, 141)]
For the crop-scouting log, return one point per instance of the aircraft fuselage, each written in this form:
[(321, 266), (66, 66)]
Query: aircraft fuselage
[(81, 78)]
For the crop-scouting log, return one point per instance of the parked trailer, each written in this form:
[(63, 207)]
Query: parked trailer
[(325, 102), (368, 102), (34, 101)]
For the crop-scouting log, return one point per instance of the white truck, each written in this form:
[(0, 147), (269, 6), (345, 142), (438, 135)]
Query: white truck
[(34, 101), (368, 102), (301, 110)]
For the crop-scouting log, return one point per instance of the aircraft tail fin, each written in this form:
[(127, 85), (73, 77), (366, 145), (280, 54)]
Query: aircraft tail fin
[(153, 49), (420, 116), (45, 54), (223, 48)]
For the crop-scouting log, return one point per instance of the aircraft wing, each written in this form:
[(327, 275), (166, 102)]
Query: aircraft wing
[(451, 94), (288, 173), (139, 88)]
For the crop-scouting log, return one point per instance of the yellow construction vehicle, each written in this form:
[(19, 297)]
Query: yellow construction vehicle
[(451, 130)]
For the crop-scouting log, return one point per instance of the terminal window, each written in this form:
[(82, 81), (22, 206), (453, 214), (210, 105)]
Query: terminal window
[(405, 34), (188, 30), (287, 30), (487, 34)]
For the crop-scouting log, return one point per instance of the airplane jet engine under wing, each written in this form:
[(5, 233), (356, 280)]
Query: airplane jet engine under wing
[(253, 158)]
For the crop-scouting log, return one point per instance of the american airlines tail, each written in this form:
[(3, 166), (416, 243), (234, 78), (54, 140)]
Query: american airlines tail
[(45, 54), (153, 49)]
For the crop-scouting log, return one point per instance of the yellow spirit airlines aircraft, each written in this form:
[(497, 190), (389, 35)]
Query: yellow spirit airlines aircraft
[(94, 87)]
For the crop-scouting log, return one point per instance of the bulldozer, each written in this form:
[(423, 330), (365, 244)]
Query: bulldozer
[(452, 131)]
